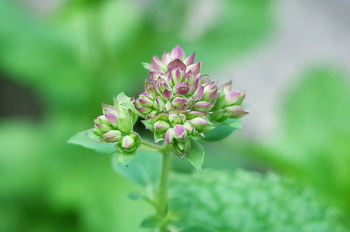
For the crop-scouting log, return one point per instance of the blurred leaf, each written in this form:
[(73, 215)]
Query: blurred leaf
[(247, 201), (144, 169), (223, 130), (315, 144), (198, 228), (152, 222), (124, 158), (196, 154), (82, 139)]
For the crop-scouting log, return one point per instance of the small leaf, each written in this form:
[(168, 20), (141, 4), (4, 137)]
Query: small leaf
[(124, 158), (82, 139), (144, 169), (234, 122), (223, 130), (198, 228), (148, 124), (138, 196), (146, 65), (152, 222), (196, 154), (158, 136), (130, 106)]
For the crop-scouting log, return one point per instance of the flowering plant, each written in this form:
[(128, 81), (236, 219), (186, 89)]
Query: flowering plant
[(180, 106)]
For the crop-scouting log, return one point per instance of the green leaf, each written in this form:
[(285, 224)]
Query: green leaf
[(234, 122), (144, 169), (196, 154), (249, 201), (223, 130), (82, 139), (146, 65), (198, 228), (152, 221), (130, 106), (124, 157)]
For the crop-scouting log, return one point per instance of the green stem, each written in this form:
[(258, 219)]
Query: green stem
[(153, 146), (162, 206)]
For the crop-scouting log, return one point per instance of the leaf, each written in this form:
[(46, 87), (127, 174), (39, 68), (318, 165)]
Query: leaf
[(152, 222), (249, 201), (196, 154), (82, 139), (234, 122), (144, 169), (124, 158), (146, 65), (130, 106), (198, 228), (223, 130)]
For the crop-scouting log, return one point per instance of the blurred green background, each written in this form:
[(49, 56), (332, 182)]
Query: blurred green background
[(59, 60)]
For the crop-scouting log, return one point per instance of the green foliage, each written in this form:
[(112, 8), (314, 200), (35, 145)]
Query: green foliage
[(223, 130), (82, 139), (247, 201), (144, 169), (196, 154), (314, 144)]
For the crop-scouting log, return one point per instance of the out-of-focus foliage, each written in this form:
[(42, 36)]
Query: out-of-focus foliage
[(314, 144), (246, 201)]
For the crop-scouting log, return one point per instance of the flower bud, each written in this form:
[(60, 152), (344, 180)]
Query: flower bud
[(236, 111), (129, 143), (200, 123), (161, 126), (180, 132), (181, 88), (112, 136), (169, 135), (209, 92), (202, 106), (177, 118)]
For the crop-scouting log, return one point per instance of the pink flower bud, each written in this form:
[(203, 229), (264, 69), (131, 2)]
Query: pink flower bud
[(112, 136), (189, 60), (209, 92), (202, 106), (237, 111), (182, 88), (195, 68), (169, 135), (178, 53), (180, 132), (161, 126), (178, 64)]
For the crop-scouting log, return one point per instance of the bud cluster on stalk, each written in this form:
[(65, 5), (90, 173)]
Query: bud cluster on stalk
[(179, 101), (116, 125)]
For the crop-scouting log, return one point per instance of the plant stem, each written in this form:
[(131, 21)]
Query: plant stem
[(162, 208)]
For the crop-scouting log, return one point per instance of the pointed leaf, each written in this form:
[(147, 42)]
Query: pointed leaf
[(146, 65), (234, 122), (82, 139), (152, 222), (144, 169), (124, 158), (223, 130), (196, 154), (220, 132), (130, 106)]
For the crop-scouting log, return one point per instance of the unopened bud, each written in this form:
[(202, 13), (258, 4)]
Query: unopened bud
[(112, 136)]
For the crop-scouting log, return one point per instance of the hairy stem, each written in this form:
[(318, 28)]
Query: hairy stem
[(162, 198)]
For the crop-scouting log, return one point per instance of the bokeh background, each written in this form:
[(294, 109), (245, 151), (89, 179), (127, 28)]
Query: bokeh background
[(60, 59)]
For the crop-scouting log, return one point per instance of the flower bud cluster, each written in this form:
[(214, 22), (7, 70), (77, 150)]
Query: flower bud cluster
[(228, 105), (116, 125), (179, 101)]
